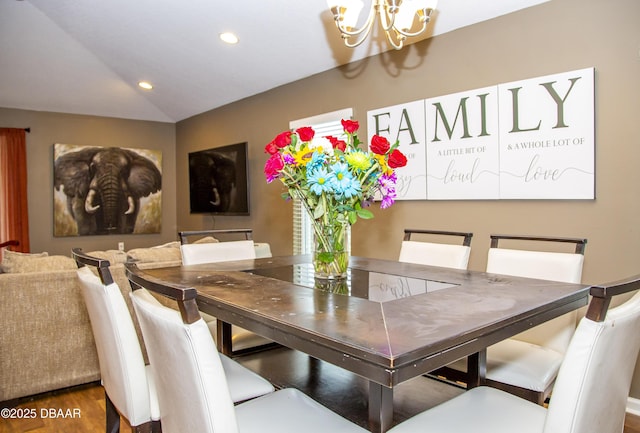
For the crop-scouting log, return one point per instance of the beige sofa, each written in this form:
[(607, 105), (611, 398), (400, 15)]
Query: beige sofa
[(46, 342)]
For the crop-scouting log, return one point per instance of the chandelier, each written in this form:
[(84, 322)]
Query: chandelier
[(396, 17)]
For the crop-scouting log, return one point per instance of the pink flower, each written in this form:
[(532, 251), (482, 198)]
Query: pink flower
[(273, 166)]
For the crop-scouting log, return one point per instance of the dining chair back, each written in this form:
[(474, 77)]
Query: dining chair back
[(242, 341), (591, 391), (209, 252), (193, 394), (435, 253), (129, 391), (528, 362)]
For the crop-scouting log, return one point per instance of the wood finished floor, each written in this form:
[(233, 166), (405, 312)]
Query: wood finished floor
[(339, 390)]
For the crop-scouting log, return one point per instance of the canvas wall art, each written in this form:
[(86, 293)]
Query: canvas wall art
[(106, 190)]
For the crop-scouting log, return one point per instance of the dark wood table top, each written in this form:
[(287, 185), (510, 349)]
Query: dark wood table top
[(386, 342)]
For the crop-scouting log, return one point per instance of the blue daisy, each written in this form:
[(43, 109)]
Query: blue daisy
[(345, 184), (320, 180), (317, 160)]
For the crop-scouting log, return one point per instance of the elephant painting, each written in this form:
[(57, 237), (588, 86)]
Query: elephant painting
[(103, 187), (218, 181)]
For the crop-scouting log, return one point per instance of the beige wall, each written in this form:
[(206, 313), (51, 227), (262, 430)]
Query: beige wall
[(50, 128), (558, 36)]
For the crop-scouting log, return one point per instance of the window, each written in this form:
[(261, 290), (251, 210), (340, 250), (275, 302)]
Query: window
[(323, 125)]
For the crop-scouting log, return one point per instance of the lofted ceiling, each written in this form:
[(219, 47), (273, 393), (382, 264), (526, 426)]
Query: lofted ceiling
[(87, 56)]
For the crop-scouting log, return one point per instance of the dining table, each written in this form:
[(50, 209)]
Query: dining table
[(387, 322)]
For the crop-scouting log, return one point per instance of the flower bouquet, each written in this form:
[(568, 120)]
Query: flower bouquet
[(336, 180)]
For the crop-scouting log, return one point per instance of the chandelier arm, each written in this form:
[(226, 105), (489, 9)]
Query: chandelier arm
[(387, 14), (400, 40), (411, 34), (359, 40)]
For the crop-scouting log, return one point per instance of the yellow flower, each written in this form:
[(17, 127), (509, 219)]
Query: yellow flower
[(384, 167), (303, 156)]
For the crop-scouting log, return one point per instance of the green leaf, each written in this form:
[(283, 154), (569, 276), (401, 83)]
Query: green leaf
[(365, 214), (324, 257), (353, 217), (319, 210)]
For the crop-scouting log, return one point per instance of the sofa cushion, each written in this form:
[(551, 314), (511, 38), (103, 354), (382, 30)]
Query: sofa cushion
[(206, 240), (20, 263), (162, 253), (113, 256)]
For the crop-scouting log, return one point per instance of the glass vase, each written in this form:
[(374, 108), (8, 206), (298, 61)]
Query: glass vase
[(331, 251)]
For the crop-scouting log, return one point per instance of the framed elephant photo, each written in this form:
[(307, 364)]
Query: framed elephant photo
[(218, 180), (106, 190)]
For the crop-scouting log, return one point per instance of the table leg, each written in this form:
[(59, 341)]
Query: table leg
[(477, 369), (380, 408), (223, 337)]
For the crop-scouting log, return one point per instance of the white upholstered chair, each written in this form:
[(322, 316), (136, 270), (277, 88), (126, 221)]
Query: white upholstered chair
[(128, 384), (193, 394), (129, 388), (527, 364), (591, 391), (195, 254), (434, 253), (242, 341), (208, 252)]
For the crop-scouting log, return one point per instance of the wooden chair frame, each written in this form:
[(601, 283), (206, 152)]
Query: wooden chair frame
[(183, 235), (580, 243), (466, 241)]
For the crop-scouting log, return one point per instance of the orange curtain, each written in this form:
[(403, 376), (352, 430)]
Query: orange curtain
[(14, 217)]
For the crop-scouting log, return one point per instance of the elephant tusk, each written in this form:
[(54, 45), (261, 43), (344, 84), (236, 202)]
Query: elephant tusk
[(216, 197), (88, 203), (132, 206)]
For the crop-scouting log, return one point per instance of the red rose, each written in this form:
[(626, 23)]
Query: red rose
[(340, 144), (380, 145), (337, 143), (271, 148), (350, 126), (283, 139), (305, 133), (397, 159)]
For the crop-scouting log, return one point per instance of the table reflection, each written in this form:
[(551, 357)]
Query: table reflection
[(374, 286)]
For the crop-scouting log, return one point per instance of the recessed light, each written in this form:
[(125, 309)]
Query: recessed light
[(145, 85), (229, 38)]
